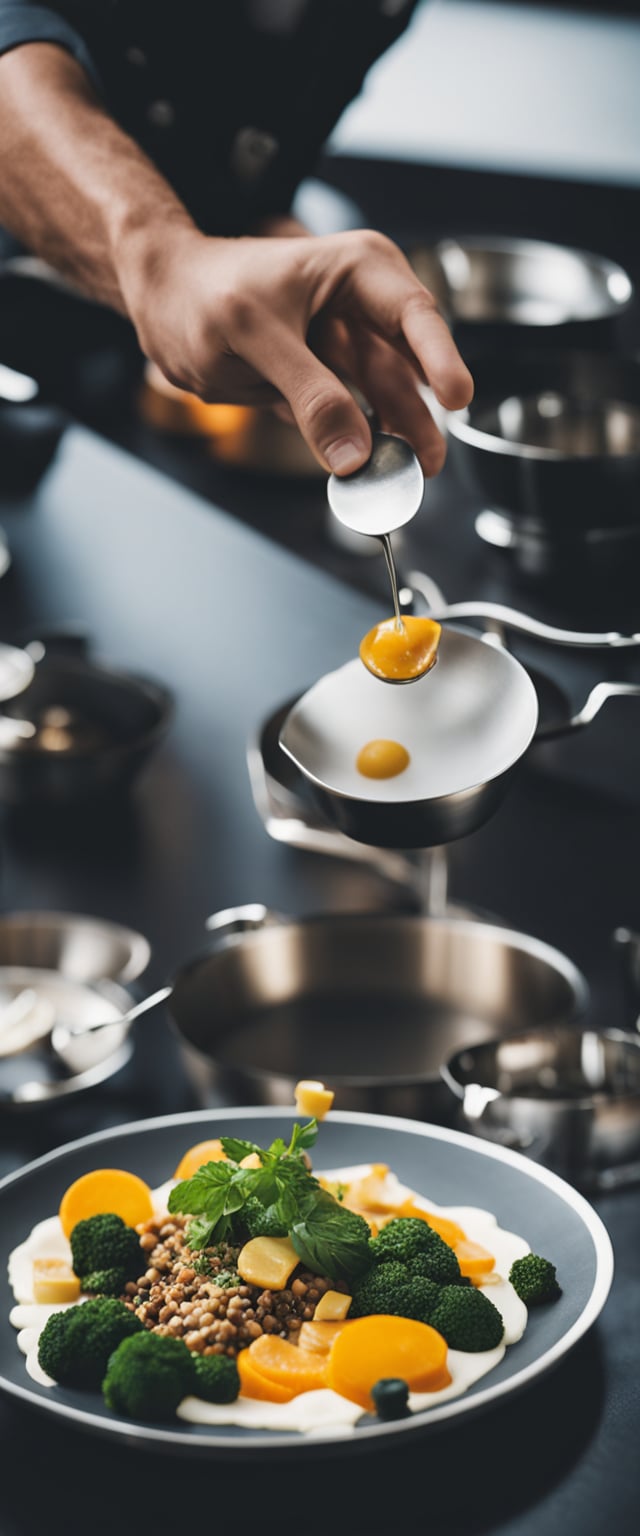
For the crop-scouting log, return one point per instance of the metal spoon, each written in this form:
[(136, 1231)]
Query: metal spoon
[(384, 494), (377, 499), (63, 1035)]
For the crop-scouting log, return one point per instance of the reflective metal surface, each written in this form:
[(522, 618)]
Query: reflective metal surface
[(568, 1097), (551, 443), (81, 948), (30, 1073), (486, 279), (371, 1003), (480, 707), (382, 496)]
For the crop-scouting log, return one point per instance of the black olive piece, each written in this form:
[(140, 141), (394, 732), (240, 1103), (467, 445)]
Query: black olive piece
[(391, 1398)]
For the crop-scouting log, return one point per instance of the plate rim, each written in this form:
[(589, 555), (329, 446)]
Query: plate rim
[(254, 1443)]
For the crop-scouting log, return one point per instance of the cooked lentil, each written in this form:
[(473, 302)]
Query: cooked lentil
[(178, 1300)]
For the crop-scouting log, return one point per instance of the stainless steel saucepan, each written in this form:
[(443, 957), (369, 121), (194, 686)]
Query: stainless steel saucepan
[(467, 726), (566, 1096), (371, 1004)]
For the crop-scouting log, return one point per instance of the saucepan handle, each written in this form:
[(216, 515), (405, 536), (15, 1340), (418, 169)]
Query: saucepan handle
[(498, 616), (592, 706), (245, 919)]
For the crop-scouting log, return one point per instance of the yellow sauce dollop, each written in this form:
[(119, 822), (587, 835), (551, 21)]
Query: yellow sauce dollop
[(400, 654), (382, 759)]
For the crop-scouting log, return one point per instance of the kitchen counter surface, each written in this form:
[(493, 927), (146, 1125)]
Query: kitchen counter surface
[(158, 576)]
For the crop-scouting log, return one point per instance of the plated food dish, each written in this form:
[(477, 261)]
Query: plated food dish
[(430, 1160)]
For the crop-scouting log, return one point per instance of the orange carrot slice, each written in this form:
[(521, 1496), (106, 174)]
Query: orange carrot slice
[(369, 1349), (318, 1337), (474, 1260), (202, 1152), (287, 1365), (254, 1384), (106, 1189), (448, 1230)]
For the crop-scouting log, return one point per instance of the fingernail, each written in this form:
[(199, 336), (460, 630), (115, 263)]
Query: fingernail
[(346, 454)]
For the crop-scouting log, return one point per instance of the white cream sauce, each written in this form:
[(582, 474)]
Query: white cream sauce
[(313, 1413)]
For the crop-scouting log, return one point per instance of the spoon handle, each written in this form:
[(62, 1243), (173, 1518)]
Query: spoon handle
[(125, 1018)]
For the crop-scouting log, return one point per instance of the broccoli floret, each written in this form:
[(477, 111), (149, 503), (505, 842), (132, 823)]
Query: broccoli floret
[(260, 1220), (437, 1262), (534, 1280), (412, 1241), (148, 1376), (217, 1378), (420, 1298), (106, 1242), (389, 1288), (75, 1344), (467, 1319), (379, 1290), (104, 1282)]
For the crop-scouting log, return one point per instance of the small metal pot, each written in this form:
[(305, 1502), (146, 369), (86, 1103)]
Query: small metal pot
[(502, 292), (565, 1096), (371, 1004), (81, 948), (95, 727), (550, 447)]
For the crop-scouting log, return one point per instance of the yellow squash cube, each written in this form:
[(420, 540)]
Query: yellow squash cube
[(313, 1099), (54, 1281), (332, 1307), (267, 1262)]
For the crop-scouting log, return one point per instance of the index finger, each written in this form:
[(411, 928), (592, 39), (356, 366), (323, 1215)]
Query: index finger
[(382, 289)]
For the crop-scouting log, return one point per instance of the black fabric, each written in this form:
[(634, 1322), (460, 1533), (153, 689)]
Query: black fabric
[(231, 105)]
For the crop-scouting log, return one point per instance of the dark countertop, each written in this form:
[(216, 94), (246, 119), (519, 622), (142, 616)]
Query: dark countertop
[(158, 576)]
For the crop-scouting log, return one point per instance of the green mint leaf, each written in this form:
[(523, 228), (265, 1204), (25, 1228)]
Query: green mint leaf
[(303, 1136), (332, 1240), (236, 1149), (196, 1195)]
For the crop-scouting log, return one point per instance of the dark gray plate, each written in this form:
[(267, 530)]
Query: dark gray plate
[(453, 1168)]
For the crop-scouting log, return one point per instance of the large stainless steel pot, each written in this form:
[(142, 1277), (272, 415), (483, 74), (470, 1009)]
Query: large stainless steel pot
[(371, 1004)]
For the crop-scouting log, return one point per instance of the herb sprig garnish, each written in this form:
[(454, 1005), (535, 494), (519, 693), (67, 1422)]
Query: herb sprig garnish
[(330, 1239)]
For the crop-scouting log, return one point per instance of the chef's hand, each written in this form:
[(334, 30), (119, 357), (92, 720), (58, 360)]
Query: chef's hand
[(259, 320)]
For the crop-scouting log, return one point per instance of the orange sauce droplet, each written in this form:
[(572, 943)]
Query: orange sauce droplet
[(403, 653), (382, 759)]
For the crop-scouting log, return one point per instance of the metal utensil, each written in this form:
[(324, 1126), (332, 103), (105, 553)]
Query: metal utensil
[(64, 1035), (567, 1097), (384, 494), (32, 1074)]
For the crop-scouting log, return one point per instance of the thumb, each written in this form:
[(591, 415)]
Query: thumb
[(326, 413)]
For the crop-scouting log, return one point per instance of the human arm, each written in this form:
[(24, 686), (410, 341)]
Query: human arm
[(250, 320)]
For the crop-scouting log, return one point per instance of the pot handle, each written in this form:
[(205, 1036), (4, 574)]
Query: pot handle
[(499, 617), (592, 706), (246, 919)]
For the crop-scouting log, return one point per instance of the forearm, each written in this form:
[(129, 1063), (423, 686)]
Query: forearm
[(74, 188)]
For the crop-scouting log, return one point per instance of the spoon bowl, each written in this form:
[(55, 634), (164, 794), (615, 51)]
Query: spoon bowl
[(384, 494)]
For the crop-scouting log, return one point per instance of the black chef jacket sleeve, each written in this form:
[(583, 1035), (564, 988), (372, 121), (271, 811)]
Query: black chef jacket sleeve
[(21, 21)]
